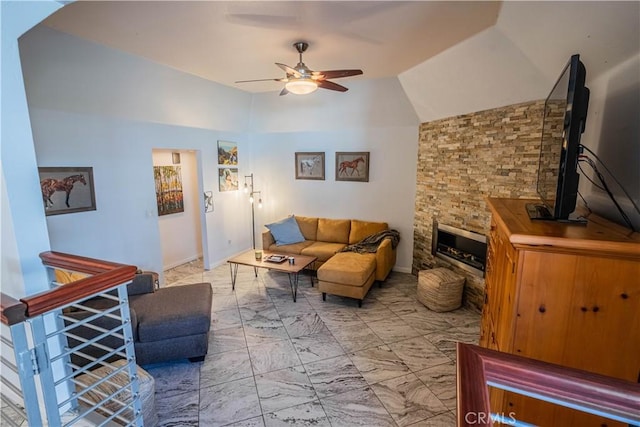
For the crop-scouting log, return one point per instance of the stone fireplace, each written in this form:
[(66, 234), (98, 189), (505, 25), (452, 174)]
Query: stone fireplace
[(461, 161)]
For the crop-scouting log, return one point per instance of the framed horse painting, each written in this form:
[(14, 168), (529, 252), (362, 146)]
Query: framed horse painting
[(352, 166), (67, 190), (310, 166)]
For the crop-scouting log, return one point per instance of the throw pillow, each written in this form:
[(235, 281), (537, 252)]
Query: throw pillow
[(286, 231)]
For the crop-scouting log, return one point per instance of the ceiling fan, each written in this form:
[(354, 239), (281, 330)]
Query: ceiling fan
[(300, 80)]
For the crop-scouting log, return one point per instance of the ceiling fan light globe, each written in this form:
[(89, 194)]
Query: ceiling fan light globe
[(301, 87)]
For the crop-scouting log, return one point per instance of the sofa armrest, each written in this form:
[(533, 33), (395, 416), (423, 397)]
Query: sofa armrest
[(143, 283), (385, 259), (267, 240)]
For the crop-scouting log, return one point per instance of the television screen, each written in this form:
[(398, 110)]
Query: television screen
[(552, 142), (565, 113)]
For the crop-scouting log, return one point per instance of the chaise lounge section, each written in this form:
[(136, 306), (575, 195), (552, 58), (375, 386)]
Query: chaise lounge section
[(167, 324), (347, 274)]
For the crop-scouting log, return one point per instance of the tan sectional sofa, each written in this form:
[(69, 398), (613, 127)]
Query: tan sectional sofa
[(348, 274)]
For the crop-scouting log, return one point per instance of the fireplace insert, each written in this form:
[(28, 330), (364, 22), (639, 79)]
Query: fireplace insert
[(464, 249)]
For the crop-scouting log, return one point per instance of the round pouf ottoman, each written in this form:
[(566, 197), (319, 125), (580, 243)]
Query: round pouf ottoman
[(104, 388), (440, 289)]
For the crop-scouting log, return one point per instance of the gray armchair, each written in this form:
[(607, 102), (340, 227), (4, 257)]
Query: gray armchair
[(167, 323)]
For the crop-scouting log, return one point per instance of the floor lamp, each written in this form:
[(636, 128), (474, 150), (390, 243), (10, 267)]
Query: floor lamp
[(248, 188)]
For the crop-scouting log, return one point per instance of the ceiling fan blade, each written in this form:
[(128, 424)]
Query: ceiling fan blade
[(326, 84), (335, 74), (289, 70), (284, 91), (262, 80)]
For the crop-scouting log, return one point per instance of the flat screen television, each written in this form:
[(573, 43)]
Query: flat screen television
[(565, 115)]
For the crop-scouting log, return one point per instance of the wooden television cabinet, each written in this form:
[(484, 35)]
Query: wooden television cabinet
[(561, 293)]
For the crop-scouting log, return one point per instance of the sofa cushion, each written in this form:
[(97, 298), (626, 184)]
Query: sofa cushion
[(348, 268), (322, 250), (295, 248), (308, 227), (286, 231), (333, 230), (173, 312), (362, 229)]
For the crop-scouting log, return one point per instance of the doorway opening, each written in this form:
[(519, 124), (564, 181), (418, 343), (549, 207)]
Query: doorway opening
[(181, 220)]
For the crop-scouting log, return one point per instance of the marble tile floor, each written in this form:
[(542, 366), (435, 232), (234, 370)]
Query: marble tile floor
[(273, 362)]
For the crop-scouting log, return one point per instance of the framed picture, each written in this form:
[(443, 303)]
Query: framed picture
[(310, 166), (227, 153), (67, 190), (169, 195), (227, 179), (175, 158), (208, 201), (352, 166)]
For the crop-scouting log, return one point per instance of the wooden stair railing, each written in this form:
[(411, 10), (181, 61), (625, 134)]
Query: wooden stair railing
[(13, 311), (104, 275), (478, 368), (35, 350)]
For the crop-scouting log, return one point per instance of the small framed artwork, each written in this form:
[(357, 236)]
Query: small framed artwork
[(310, 165), (227, 179), (227, 153), (208, 201), (352, 166), (169, 196), (67, 190)]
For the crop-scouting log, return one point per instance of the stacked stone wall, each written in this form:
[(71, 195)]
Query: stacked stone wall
[(464, 159)]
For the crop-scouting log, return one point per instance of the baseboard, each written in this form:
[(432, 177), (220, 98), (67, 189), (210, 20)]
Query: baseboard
[(402, 269), (183, 261), (217, 263)]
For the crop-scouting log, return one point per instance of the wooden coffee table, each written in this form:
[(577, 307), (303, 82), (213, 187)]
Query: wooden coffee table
[(293, 270)]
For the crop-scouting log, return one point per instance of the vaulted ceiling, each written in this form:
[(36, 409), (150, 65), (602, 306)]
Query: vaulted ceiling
[(451, 57), (225, 41)]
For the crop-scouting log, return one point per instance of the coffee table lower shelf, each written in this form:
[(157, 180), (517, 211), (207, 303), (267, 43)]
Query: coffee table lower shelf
[(293, 270)]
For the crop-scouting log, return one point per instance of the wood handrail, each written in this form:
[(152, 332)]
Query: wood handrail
[(105, 275), (13, 311), (478, 367), (77, 263)]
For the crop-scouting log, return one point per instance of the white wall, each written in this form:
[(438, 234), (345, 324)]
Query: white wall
[(483, 72), (112, 119), (125, 226), (520, 58), (181, 233), (67, 73), (24, 233), (613, 132), (374, 116), (23, 228)]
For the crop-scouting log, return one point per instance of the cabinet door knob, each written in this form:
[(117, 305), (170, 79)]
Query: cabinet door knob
[(542, 309)]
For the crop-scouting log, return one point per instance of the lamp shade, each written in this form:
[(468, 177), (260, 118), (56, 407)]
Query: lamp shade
[(301, 86)]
